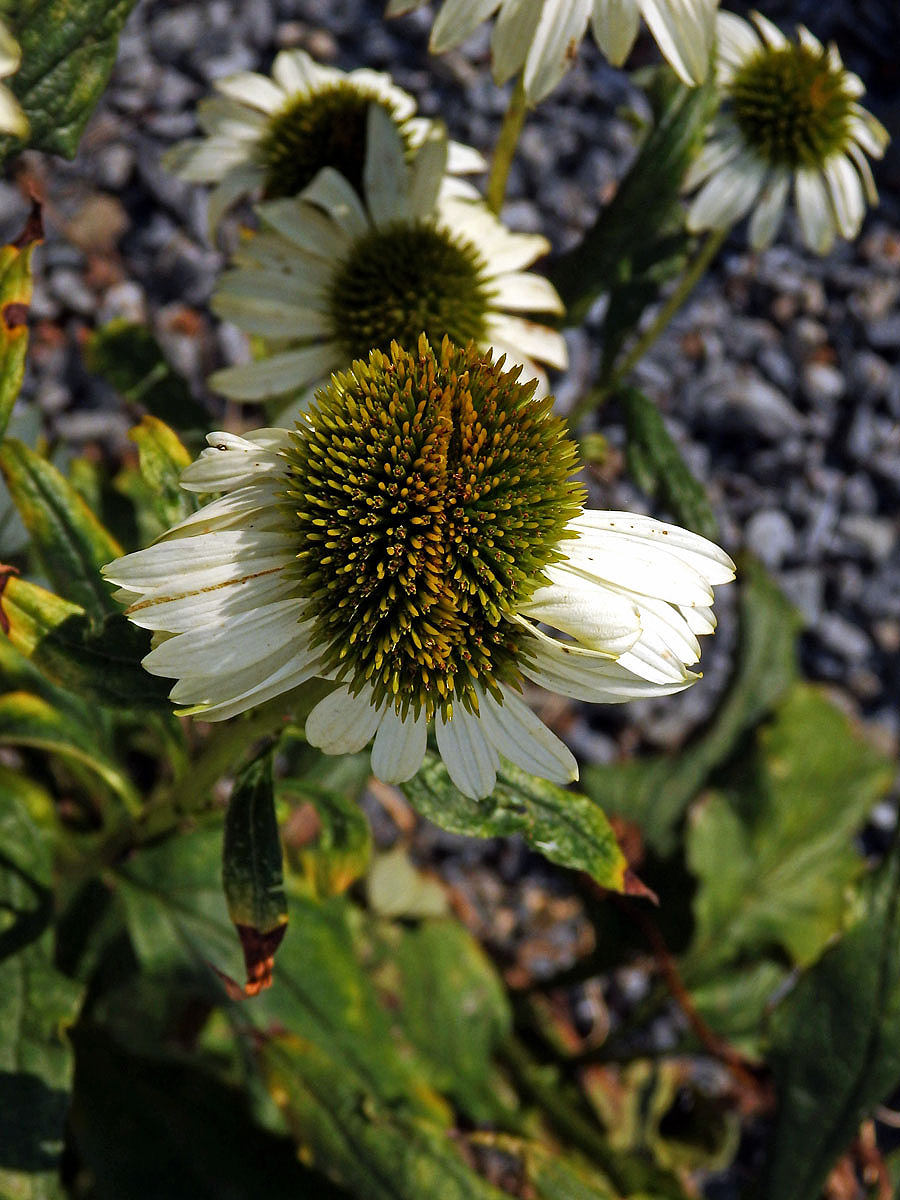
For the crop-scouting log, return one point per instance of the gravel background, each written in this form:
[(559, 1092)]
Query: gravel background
[(781, 379)]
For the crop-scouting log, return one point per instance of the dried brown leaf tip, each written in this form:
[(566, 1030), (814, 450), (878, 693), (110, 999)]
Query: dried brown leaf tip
[(259, 955), (33, 230)]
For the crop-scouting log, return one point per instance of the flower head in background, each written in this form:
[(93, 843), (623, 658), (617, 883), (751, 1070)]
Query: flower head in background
[(271, 136), (538, 37), (408, 541), (12, 118), (790, 116), (329, 277)]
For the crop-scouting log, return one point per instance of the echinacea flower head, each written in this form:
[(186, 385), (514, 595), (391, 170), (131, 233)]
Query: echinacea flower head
[(332, 276), (12, 118), (270, 136), (538, 37), (419, 540), (790, 115)]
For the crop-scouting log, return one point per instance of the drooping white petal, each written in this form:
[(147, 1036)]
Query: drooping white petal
[(399, 747), (331, 192), (845, 190), (704, 556), (232, 462), (251, 637), (737, 40), (306, 227), (684, 31), (255, 90), (385, 176), (285, 372), (470, 759), (295, 71), (771, 34), (199, 610), (728, 195), (712, 158), (615, 24), (595, 616), (456, 20), (560, 29), (514, 33), (767, 215), (583, 674), (523, 291), (297, 670), (342, 723), (427, 177), (517, 734), (529, 339), (814, 210)]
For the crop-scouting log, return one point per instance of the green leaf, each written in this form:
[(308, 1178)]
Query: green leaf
[(657, 467), (774, 860), (655, 792), (633, 235), (327, 839), (129, 357), (67, 538), (68, 51), (836, 1046), (29, 720), (15, 299), (372, 1147), (395, 888), (734, 1002), (252, 871), (99, 661), (566, 827), (453, 1008), (163, 457), (147, 1128), (37, 1003)]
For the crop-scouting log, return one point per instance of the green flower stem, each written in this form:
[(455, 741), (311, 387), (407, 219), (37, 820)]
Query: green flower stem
[(689, 280), (544, 1088), (225, 749), (513, 120)]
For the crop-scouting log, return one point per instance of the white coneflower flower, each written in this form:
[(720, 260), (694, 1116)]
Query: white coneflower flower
[(271, 136), (790, 115), (330, 277), (539, 37), (12, 118), (409, 540)]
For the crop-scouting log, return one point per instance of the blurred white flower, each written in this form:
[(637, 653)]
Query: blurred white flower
[(539, 37), (271, 136), (790, 116), (12, 118), (419, 540), (330, 277)]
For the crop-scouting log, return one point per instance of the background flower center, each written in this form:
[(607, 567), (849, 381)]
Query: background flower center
[(326, 129), (791, 106), (404, 280)]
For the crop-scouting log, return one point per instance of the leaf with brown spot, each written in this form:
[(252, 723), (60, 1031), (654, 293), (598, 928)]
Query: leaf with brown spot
[(15, 299), (252, 872)]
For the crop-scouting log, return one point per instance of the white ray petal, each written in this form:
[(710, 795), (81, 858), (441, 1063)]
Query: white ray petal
[(814, 210), (523, 291), (456, 20), (684, 31), (399, 747), (280, 373), (255, 90), (552, 51), (470, 759), (615, 24), (596, 617), (517, 734), (342, 723)]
